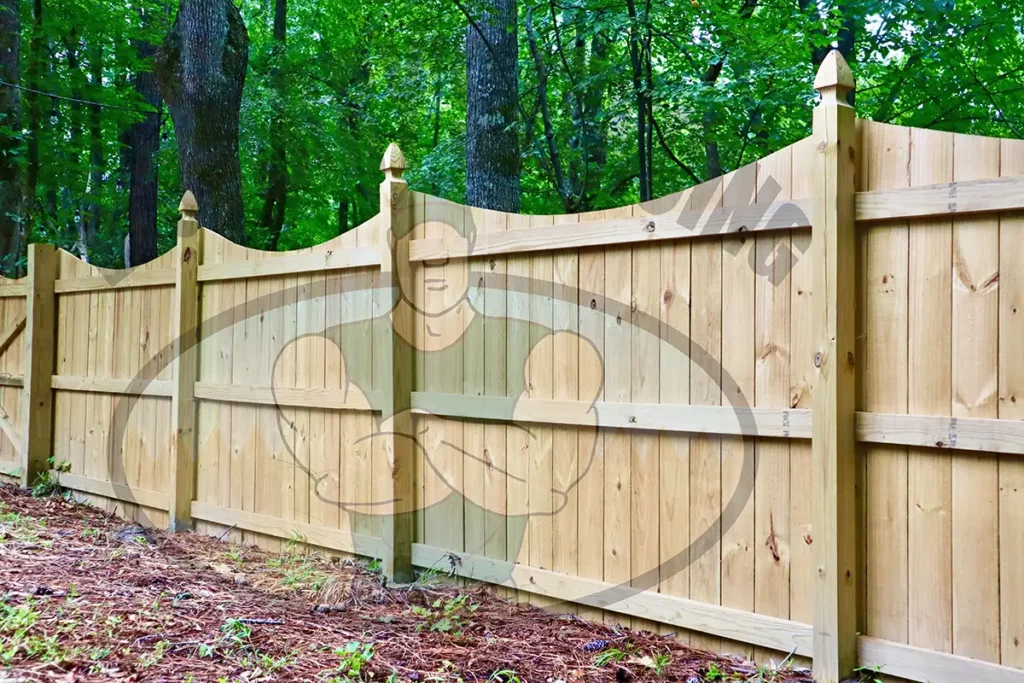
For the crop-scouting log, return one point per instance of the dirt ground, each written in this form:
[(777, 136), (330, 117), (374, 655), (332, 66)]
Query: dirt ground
[(89, 597)]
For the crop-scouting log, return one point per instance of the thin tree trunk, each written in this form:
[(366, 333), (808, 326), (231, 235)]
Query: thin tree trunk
[(11, 191), (709, 123), (595, 133), (143, 144), (73, 189), (96, 157), (636, 56), (272, 216), (492, 93), (35, 65), (554, 159), (201, 71), (342, 216)]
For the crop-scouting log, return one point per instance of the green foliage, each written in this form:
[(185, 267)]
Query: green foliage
[(613, 655), (356, 75), (447, 616), (660, 662), (354, 658), (236, 631), (869, 674), (20, 641), (714, 674)]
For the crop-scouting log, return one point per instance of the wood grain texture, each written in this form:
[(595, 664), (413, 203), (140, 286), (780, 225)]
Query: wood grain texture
[(975, 356), (705, 390), (39, 353), (886, 151), (1011, 408), (929, 475), (833, 454)]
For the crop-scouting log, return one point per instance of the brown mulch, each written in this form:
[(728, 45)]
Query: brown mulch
[(90, 597)]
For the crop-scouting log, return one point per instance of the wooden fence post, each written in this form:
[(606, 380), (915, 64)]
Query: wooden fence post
[(396, 216), (39, 353), (186, 327), (834, 323)]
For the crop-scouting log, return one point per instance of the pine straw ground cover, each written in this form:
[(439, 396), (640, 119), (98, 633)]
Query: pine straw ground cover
[(90, 597)]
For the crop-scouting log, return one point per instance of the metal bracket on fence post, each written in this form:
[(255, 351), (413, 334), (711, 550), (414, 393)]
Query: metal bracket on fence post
[(834, 446), (40, 339), (396, 220), (186, 330)]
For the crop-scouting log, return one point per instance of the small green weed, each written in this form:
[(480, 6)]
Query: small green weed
[(47, 482), (868, 674), (236, 631), (447, 616), (714, 674), (355, 656), (660, 662)]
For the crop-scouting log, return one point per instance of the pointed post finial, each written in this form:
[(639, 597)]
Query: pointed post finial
[(188, 207), (393, 163), (834, 79)]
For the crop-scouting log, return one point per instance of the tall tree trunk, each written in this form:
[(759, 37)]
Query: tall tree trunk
[(97, 162), (641, 91), (73, 189), (272, 216), (143, 144), (492, 93), (11, 191), (709, 121), (201, 71), (35, 66)]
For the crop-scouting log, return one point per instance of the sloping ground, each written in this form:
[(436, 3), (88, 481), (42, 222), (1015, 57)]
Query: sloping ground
[(88, 597)]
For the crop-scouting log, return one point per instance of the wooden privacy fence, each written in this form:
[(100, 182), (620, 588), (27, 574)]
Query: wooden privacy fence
[(609, 411)]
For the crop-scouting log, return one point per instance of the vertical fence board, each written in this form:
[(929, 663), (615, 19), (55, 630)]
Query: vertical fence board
[(473, 432), (885, 165), (567, 359), (617, 351), (975, 383), (516, 439), (738, 310), (1011, 407), (590, 546), (673, 347), (645, 451), (929, 547), (540, 383), (801, 535), (773, 354), (496, 382), (705, 389)]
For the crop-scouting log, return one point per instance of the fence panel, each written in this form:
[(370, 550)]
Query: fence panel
[(111, 419), (286, 378), (611, 409)]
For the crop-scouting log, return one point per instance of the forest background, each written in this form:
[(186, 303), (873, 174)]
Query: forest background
[(276, 112)]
